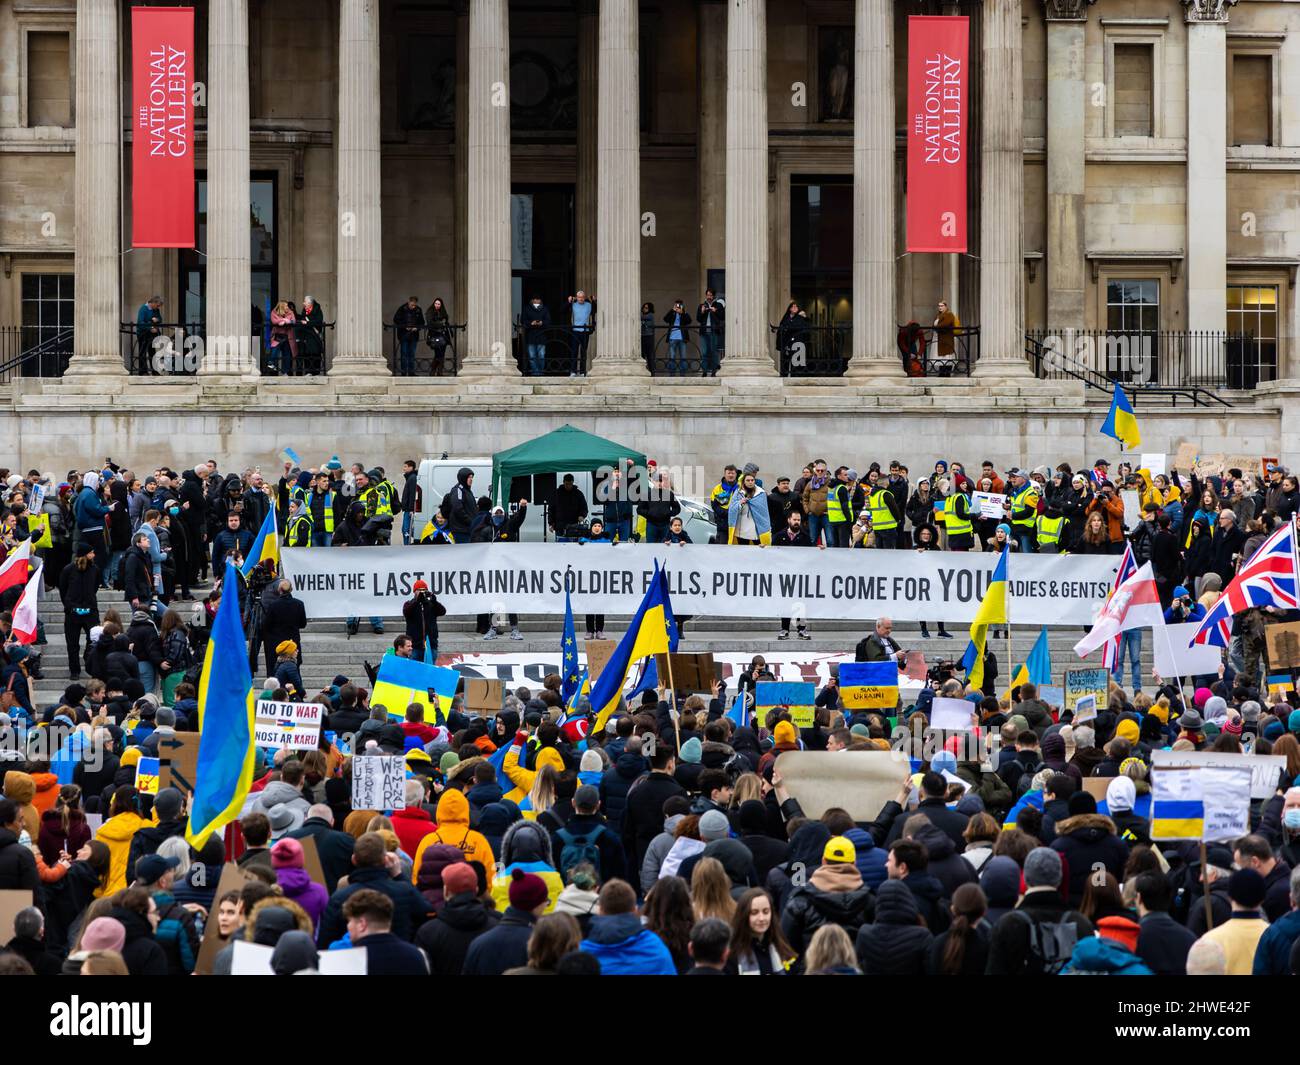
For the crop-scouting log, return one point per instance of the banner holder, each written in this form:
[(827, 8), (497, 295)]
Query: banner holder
[(1205, 884), (1182, 696)]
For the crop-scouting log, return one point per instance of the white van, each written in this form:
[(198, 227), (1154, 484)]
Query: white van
[(437, 477)]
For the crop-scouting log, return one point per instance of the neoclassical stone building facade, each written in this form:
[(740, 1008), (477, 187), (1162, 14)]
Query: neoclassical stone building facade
[(1134, 172)]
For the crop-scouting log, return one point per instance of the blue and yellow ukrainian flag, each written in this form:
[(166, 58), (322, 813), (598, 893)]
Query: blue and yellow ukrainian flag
[(869, 685), (1121, 423), (403, 681), (992, 611), (646, 635), (757, 510), (568, 654), (1177, 804), (266, 545), (1037, 668), (224, 773)]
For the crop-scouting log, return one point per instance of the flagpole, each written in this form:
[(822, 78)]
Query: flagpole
[(672, 705), (1169, 646)]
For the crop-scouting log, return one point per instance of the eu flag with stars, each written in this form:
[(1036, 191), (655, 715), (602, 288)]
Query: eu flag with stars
[(569, 654)]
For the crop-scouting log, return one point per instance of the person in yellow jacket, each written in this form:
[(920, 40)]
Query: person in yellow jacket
[(116, 833), (453, 829), (526, 846), (523, 778)]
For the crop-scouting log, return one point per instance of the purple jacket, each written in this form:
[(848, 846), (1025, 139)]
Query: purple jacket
[(308, 894)]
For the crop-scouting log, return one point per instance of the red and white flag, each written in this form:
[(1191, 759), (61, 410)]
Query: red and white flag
[(14, 569), (1135, 604), (24, 627)]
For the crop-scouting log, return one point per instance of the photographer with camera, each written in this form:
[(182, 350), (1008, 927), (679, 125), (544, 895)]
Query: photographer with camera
[(422, 612)]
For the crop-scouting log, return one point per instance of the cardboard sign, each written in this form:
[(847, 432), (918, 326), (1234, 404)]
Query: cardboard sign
[(599, 652), (233, 878), (484, 696), (178, 758), (1282, 640), (1265, 768), (1173, 658), (292, 725), (378, 782), (12, 902), (796, 696), (915, 667), (690, 672), (990, 504), (860, 782), (1081, 682), (952, 715), (146, 776), (1096, 786), (311, 861)]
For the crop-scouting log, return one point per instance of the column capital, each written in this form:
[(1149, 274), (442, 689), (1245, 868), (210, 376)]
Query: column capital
[(1067, 10), (1206, 10)]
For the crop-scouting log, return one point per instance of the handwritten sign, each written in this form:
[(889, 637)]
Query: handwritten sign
[(991, 504), (146, 776), (796, 696), (1264, 768), (292, 725), (378, 782), (1081, 682)]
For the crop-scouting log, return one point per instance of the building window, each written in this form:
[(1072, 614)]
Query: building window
[(1134, 90), (47, 307), (1252, 99), (49, 79), (1132, 327), (1252, 350)]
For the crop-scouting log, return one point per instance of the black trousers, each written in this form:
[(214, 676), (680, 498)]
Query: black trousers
[(73, 626)]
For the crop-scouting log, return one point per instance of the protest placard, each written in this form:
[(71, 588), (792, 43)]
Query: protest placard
[(1081, 682), (1173, 658), (796, 696), (12, 901), (1085, 710), (378, 782), (690, 672), (292, 725), (146, 776), (232, 878), (1153, 462), (860, 782), (483, 696), (990, 504), (178, 760), (1282, 641), (1264, 768), (869, 685), (598, 653), (1132, 508), (952, 715), (1200, 802)]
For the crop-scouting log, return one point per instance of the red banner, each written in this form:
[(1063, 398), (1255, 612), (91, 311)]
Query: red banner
[(938, 47), (162, 149)]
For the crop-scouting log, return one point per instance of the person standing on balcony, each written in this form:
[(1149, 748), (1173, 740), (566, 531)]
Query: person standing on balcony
[(439, 335), (408, 320), (311, 332), (792, 340), (536, 319), (648, 334), (582, 322), (710, 316), (945, 325), (678, 322), (148, 324), (282, 338)]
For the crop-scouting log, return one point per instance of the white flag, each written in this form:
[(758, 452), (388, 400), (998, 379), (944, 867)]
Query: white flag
[(24, 627)]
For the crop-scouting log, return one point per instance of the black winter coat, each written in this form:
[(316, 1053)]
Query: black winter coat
[(1163, 944), (644, 818), (447, 938), (18, 866), (137, 576), (950, 821), (500, 948), (615, 783), (897, 944), (409, 907), (809, 907), (77, 588), (1084, 842), (334, 848), (142, 953)]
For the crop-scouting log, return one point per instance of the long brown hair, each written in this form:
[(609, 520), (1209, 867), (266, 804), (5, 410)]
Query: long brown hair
[(968, 906), (711, 891), (1289, 746), (69, 800), (742, 936), (554, 936)]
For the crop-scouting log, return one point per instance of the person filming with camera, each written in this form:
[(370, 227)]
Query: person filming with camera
[(422, 612)]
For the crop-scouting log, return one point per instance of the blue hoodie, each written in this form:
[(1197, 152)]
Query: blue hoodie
[(870, 860), (1098, 956), (625, 947)]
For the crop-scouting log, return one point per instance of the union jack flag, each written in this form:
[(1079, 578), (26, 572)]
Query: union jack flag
[(1110, 649), (1269, 578)]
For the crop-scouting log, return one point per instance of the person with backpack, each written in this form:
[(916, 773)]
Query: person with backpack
[(587, 838), (1038, 937)]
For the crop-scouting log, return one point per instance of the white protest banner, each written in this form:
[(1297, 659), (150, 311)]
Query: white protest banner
[(1046, 589), (345, 962), (1132, 509), (952, 715), (251, 959), (1152, 462), (293, 725), (990, 504), (1173, 658), (1226, 794), (860, 782), (378, 782), (1264, 768)]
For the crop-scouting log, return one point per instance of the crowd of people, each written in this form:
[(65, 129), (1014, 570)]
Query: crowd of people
[(666, 843)]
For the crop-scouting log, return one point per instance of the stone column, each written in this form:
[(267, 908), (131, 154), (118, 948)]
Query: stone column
[(618, 229), (585, 196), (1207, 151), (711, 139), (749, 345), (1066, 21), (488, 313), (874, 351), (360, 317), (1002, 177), (460, 164), (229, 298), (96, 345)]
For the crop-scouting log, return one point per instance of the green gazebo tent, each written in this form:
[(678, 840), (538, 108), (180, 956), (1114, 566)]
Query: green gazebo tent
[(566, 448)]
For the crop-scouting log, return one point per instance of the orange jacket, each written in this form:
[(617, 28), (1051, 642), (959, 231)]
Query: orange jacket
[(453, 829), (47, 790), (1114, 511)]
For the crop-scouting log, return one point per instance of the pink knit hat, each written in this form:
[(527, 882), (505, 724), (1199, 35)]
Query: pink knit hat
[(103, 933), (287, 854), (1202, 696)]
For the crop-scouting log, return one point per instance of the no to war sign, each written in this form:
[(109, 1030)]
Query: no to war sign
[(292, 725)]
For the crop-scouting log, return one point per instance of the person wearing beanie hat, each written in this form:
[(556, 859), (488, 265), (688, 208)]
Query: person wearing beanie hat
[(506, 945), (290, 873), (860, 731), (1088, 841), (591, 767), (457, 879), (1200, 697), (1128, 729), (692, 750), (103, 933), (1240, 936), (786, 736), (1274, 730), (447, 762), (169, 809), (462, 918), (1010, 953)]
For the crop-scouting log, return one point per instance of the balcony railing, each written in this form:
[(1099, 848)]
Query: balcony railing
[(1150, 360), (804, 349), (930, 352), (33, 351), (171, 349), (434, 353), (553, 351)]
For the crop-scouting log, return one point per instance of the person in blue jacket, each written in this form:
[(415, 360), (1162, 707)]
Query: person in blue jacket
[(618, 939), (89, 512), (1183, 608)]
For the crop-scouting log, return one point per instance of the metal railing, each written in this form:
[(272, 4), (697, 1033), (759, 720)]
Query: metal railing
[(557, 350), (177, 349), (930, 352), (436, 353), (33, 351), (686, 358), (807, 350)]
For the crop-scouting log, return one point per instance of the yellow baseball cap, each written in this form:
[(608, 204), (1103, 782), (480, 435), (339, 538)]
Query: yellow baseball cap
[(840, 849)]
